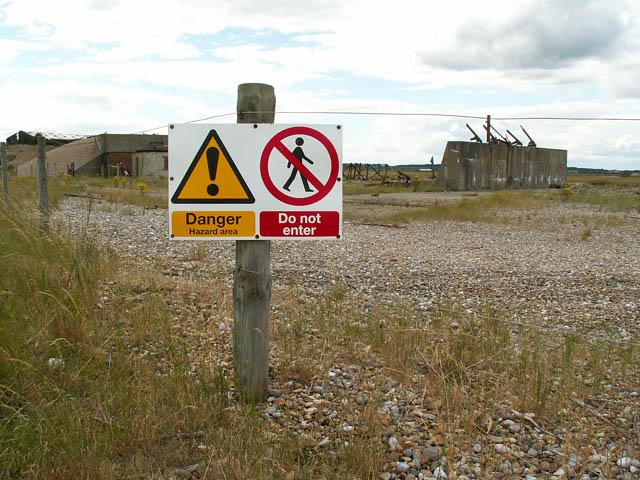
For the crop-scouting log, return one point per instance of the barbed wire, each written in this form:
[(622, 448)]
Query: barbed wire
[(450, 115), (392, 114), (407, 114)]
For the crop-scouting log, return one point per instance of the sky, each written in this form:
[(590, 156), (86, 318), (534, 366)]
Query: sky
[(123, 66)]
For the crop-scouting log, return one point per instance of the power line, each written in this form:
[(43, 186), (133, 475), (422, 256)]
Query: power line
[(448, 115), (407, 114), (393, 114), (189, 122)]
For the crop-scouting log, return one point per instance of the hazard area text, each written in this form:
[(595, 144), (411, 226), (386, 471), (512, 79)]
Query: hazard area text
[(213, 224)]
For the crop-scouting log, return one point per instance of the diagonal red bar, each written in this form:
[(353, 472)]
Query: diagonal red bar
[(301, 168)]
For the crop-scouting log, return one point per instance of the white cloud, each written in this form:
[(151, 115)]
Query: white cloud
[(12, 49), (128, 65)]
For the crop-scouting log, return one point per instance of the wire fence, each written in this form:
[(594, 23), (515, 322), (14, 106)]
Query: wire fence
[(411, 114), (386, 114)]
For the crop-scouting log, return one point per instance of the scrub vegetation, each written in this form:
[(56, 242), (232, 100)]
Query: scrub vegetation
[(97, 378)]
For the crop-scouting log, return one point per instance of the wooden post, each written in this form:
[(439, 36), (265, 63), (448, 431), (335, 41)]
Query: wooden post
[(43, 198), (488, 128), (5, 180), (252, 276)]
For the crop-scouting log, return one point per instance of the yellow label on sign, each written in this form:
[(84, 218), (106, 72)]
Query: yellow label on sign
[(212, 177), (213, 224)]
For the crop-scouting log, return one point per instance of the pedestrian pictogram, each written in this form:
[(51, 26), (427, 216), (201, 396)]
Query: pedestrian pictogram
[(299, 154), (294, 160), (212, 177)]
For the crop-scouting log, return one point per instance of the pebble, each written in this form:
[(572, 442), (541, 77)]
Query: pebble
[(500, 448), (402, 467), (432, 453), (393, 443), (624, 462)]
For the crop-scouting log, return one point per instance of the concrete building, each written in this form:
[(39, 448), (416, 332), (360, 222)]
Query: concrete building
[(496, 166), (150, 163), (102, 153)]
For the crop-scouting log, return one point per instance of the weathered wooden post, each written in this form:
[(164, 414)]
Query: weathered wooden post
[(252, 276), (43, 197), (5, 179), (488, 129)]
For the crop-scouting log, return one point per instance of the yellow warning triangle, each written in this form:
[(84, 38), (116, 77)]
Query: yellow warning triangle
[(212, 177)]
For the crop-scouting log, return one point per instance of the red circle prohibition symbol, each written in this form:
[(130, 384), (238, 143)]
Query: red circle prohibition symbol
[(323, 189)]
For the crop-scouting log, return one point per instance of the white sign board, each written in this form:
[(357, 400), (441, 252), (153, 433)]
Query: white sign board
[(255, 181)]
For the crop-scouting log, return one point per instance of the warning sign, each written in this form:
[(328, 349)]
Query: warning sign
[(299, 224), (213, 177), (255, 181), (295, 159)]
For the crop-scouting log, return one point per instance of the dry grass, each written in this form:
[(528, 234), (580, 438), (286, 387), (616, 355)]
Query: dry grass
[(145, 387), (611, 180)]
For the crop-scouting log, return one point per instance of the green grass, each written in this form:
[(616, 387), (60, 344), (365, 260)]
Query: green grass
[(79, 397), (610, 180), (96, 381), (122, 397), (352, 187), (25, 189), (489, 208), (609, 201), (468, 209)]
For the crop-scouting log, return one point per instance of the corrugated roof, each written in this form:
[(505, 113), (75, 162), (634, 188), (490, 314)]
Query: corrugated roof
[(58, 136)]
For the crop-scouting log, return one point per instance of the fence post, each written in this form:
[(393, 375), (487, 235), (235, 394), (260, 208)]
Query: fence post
[(252, 276), (5, 179), (43, 197)]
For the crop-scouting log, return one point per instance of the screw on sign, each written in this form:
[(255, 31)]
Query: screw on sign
[(295, 161)]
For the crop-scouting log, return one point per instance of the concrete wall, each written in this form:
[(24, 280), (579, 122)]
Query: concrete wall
[(23, 153), (80, 153), (115, 143), (117, 158), (496, 166), (150, 164)]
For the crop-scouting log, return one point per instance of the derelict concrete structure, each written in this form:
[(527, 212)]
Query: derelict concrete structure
[(497, 166), (92, 155)]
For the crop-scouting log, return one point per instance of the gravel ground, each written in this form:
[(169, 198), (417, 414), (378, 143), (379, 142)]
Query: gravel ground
[(553, 276)]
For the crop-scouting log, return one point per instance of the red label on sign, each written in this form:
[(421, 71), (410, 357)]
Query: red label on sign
[(299, 224)]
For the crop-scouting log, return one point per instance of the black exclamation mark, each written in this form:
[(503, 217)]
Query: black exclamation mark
[(212, 161)]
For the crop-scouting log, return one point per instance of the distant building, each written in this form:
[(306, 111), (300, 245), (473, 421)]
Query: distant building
[(496, 166), (106, 154), (150, 163)]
